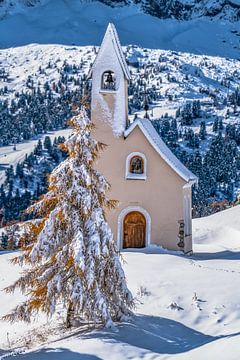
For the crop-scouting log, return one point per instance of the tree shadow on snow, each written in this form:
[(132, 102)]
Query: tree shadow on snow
[(147, 333), (56, 354), (156, 334)]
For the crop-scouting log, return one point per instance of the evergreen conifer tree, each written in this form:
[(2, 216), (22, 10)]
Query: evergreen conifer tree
[(47, 144), (3, 241), (72, 258), (215, 125), (202, 131)]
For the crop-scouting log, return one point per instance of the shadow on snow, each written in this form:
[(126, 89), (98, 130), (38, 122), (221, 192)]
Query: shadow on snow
[(223, 255), (55, 354), (147, 333), (156, 334), (198, 256)]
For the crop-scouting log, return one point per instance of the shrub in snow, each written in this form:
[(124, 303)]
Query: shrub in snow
[(71, 255), (143, 291), (174, 306)]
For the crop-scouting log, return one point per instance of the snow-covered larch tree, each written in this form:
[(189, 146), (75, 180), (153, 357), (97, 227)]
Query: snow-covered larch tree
[(70, 254)]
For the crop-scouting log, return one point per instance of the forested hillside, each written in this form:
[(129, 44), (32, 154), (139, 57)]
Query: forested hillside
[(29, 180)]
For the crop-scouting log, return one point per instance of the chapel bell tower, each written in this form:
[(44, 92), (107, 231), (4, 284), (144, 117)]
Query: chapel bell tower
[(109, 98)]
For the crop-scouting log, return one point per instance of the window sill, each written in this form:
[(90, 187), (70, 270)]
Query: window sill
[(106, 91), (136, 177)]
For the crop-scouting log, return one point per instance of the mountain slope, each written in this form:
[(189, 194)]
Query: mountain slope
[(188, 9), (84, 22), (178, 9)]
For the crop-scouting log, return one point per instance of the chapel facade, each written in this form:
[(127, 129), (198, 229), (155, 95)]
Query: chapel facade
[(153, 188)]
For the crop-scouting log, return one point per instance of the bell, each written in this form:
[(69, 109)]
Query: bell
[(109, 79)]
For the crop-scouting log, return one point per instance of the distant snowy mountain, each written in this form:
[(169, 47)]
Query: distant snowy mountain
[(200, 27), (178, 9), (187, 9)]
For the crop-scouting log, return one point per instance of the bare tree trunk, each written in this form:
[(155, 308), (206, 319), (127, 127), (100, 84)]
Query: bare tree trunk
[(69, 315)]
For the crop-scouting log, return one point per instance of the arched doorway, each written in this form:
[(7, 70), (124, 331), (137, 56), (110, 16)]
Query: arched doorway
[(134, 230)]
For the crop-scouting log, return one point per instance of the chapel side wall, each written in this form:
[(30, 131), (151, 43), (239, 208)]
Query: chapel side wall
[(187, 203), (161, 194)]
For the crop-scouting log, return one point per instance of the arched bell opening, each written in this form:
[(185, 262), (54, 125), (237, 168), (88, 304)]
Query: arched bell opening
[(108, 80)]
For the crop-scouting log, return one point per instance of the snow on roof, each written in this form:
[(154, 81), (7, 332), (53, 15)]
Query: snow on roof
[(111, 30), (155, 140)]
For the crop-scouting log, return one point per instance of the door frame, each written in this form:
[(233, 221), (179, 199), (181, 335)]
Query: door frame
[(120, 226)]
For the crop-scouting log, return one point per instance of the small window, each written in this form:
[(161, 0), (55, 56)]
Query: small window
[(136, 166), (108, 80)]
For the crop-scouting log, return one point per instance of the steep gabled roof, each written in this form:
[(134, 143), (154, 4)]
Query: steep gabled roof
[(158, 144), (112, 32)]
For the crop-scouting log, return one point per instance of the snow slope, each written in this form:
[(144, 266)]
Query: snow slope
[(215, 231), (83, 23), (187, 307)]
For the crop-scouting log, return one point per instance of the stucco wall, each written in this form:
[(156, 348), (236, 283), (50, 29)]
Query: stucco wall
[(161, 194), (187, 198)]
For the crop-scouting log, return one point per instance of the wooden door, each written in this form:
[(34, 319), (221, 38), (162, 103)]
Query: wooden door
[(134, 230)]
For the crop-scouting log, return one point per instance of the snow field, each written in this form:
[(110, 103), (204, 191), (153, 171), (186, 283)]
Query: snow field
[(186, 307)]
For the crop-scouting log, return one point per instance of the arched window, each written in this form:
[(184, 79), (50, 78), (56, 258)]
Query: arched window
[(136, 166), (108, 80)]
